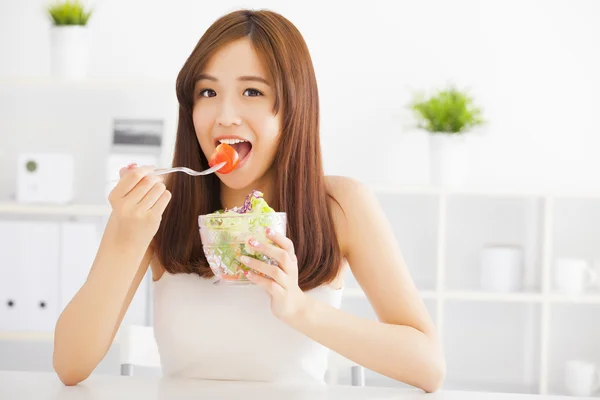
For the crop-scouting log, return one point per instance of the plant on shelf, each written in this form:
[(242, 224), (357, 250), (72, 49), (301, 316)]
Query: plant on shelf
[(448, 111), (69, 13), (69, 39), (447, 116)]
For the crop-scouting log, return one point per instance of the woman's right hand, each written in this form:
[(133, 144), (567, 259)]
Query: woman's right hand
[(138, 202)]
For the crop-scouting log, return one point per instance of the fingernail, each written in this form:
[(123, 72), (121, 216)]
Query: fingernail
[(245, 260), (253, 242), (131, 165), (269, 231)]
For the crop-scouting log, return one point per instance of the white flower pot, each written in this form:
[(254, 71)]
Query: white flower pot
[(448, 159), (69, 52)]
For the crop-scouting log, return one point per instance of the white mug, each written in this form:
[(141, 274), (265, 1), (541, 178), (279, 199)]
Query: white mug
[(501, 268), (573, 276), (582, 378)]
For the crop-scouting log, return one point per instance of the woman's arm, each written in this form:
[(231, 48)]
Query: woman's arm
[(403, 344), (87, 326), (89, 323)]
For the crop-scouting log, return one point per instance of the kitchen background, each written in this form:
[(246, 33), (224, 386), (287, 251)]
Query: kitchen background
[(502, 246)]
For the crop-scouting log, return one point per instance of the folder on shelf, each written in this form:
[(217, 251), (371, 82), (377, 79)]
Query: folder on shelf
[(11, 282), (30, 273)]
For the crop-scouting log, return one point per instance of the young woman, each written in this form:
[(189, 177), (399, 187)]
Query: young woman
[(251, 78)]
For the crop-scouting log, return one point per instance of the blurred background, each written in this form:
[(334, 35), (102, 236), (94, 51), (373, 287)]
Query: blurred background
[(499, 221)]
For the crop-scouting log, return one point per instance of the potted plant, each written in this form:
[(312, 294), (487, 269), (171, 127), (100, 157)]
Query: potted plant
[(69, 39), (449, 115)]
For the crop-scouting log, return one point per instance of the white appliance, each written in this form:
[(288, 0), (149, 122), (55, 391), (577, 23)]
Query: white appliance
[(45, 178)]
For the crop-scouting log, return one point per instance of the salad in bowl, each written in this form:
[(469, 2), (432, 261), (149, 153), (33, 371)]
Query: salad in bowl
[(225, 234)]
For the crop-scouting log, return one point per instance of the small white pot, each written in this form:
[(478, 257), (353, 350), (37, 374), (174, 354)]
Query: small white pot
[(448, 158), (69, 52)]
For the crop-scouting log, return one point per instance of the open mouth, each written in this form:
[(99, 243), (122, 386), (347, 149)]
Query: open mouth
[(241, 146)]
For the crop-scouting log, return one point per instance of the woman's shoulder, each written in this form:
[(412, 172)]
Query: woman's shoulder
[(347, 197), (347, 192), (342, 185)]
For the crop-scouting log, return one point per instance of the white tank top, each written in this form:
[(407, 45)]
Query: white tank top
[(227, 332)]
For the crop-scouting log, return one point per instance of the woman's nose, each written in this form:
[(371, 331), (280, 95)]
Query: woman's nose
[(228, 114)]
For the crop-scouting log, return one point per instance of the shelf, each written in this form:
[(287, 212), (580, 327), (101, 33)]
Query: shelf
[(98, 83), (495, 297), (483, 191), (357, 293), (575, 299), (91, 210), (478, 296), (522, 297), (27, 336)]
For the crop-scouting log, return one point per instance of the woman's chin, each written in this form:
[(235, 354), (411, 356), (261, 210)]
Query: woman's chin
[(236, 180)]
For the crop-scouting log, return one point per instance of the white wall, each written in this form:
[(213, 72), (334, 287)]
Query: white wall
[(531, 64)]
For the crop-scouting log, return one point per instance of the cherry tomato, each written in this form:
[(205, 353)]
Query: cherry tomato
[(224, 152)]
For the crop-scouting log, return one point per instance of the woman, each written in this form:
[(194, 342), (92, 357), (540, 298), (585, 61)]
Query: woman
[(250, 80)]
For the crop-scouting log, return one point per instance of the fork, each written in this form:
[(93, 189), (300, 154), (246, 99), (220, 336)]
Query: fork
[(187, 170)]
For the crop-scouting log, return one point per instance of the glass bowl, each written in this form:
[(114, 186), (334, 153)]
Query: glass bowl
[(225, 239)]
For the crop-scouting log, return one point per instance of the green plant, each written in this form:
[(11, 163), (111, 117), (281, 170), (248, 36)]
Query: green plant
[(69, 13), (449, 111)]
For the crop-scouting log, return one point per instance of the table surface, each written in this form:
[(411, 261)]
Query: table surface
[(45, 385)]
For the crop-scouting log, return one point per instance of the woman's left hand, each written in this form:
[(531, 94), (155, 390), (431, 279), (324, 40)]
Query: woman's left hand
[(280, 282)]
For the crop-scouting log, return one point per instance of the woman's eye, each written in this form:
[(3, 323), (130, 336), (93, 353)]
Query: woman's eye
[(252, 92), (207, 93)]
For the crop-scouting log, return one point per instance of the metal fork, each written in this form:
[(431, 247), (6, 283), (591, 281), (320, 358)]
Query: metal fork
[(187, 170)]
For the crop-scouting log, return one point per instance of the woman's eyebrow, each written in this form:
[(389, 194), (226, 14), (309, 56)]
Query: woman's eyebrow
[(207, 77), (245, 78), (250, 78)]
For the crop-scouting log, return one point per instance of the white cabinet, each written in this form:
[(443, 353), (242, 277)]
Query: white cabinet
[(29, 273), (516, 341), (46, 253)]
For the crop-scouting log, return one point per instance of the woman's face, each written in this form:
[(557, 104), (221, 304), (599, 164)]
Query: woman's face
[(233, 103)]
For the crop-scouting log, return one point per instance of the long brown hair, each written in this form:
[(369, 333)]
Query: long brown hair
[(299, 184)]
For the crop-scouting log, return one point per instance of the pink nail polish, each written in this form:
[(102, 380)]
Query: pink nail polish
[(253, 242), (269, 231), (131, 165)]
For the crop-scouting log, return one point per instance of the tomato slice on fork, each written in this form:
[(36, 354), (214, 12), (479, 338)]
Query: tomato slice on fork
[(224, 153)]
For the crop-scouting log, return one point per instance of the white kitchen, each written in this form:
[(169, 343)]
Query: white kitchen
[(473, 123)]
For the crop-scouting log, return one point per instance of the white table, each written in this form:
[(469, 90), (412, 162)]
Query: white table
[(45, 385)]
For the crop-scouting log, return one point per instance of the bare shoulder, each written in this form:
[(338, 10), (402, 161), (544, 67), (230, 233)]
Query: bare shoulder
[(348, 196), (347, 191)]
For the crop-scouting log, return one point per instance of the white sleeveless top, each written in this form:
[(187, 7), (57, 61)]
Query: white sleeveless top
[(227, 332)]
